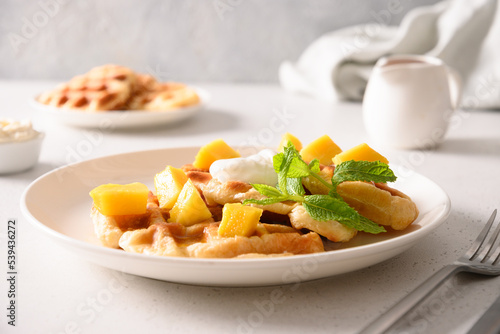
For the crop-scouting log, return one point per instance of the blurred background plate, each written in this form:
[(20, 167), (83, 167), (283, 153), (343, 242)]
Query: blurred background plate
[(121, 118)]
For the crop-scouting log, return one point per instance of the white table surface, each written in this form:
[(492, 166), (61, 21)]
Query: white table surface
[(60, 293)]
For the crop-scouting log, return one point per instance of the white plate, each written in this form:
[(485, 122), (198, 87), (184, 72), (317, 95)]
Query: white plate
[(58, 203), (121, 119)]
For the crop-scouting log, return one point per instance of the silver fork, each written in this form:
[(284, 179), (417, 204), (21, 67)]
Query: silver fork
[(478, 259)]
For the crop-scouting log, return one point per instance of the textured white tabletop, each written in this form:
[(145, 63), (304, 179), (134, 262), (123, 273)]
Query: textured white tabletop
[(59, 293)]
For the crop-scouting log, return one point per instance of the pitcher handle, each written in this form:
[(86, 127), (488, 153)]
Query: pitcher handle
[(455, 82)]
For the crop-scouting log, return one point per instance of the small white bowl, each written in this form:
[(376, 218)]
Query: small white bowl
[(20, 156)]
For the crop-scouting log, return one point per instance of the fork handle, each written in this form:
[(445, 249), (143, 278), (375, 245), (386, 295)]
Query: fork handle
[(395, 313), (489, 323)]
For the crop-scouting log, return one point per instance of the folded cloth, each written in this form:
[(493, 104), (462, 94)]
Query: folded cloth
[(463, 33)]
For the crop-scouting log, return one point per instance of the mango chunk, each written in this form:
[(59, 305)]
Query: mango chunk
[(239, 220), (213, 151), (359, 153), (323, 149), (120, 199), (288, 137), (168, 185), (189, 209)]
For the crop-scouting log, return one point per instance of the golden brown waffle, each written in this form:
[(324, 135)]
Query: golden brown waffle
[(145, 90), (376, 201), (380, 203), (151, 234), (172, 96), (153, 95), (103, 88), (113, 87)]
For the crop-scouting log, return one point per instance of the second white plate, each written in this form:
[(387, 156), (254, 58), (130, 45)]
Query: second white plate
[(58, 204)]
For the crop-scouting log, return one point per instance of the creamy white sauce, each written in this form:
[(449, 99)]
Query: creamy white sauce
[(16, 131), (257, 168)]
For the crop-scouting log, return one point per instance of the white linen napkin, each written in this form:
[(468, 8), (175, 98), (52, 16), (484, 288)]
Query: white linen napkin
[(464, 34)]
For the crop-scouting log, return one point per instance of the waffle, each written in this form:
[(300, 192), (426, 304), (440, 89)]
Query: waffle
[(113, 87), (146, 88), (380, 203), (332, 230), (153, 95), (151, 234), (172, 96), (377, 201), (103, 88)]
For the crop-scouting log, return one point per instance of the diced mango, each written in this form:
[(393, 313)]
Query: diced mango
[(168, 184), (323, 149), (120, 199), (213, 151), (239, 220), (359, 153), (189, 209), (288, 137)]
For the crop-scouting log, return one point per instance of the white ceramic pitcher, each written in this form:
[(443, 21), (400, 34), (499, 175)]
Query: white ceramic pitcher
[(408, 101)]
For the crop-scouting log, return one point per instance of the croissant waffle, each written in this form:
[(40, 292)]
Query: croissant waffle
[(113, 87), (151, 234), (380, 203), (377, 202)]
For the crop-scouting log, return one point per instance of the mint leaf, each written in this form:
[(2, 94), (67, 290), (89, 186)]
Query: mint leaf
[(366, 225), (278, 161), (290, 163), (325, 207), (267, 191), (298, 168), (314, 166), (367, 171), (281, 164), (295, 187), (334, 194)]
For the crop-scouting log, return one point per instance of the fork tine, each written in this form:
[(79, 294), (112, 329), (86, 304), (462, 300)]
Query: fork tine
[(473, 251), (491, 246)]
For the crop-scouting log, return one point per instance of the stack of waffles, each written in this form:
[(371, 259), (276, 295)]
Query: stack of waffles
[(113, 87)]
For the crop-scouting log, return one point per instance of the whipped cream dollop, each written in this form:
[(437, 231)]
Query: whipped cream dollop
[(257, 168), (16, 131)]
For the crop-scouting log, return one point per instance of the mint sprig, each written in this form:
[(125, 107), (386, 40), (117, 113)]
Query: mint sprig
[(363, 171), (291, 168)]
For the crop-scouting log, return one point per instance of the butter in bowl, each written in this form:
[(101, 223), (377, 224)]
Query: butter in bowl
[(20, 145)]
